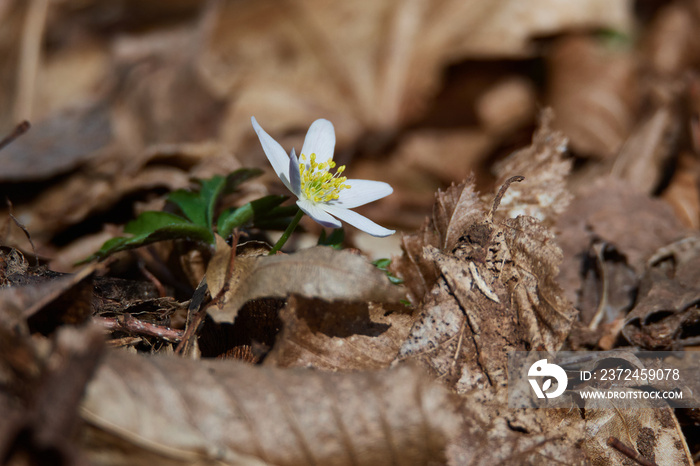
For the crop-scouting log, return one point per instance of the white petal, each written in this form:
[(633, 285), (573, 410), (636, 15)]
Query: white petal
[(320, 140), (294, 174), (275, 154), (358, 221), (362, 192), (317, 213)]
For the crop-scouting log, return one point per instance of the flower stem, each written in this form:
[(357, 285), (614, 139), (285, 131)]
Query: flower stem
[(287, 233)]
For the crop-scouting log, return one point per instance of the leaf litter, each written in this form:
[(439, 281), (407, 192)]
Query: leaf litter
[(594, 248)]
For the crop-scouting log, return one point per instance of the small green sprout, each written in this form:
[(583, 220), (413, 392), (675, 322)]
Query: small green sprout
[(383, 265)]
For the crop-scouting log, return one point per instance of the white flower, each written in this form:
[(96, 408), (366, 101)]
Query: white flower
[(321, 194)]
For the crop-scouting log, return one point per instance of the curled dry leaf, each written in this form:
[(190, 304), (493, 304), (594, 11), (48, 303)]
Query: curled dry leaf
[(668, 297), (318, 272), (186, 412), (338, 336)]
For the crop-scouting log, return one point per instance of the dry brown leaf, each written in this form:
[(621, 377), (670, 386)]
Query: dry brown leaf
[(668, 297), (593, 93), (453, 211), (40, 424), (318, 272), (43, 298), (683, 191), (161, 95), (646, 152), (496, 293), (495, 435), (671, 44), (654, 433), (617, 215), (193, 412), (71, 137), (543, 193), (338, 336)]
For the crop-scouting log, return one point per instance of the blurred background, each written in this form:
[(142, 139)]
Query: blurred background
[(129, 99)]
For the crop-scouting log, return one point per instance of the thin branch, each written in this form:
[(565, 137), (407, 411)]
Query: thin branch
[(127, 323)]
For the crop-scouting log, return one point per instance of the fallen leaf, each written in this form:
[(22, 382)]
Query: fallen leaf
[(507, 104), (460, 152), (43, 298), (181, 411), (42, 421), (543, 194), (593, 92), (683, 191), (339, 335), (634, 225), (454, 209), (318, 272), (496, 293), (493, 435), (670, 44), (668, 297), (642, 158), (653, 433), (72, 136)]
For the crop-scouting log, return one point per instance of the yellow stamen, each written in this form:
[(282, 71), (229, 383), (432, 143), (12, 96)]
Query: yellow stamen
[(317, 183)]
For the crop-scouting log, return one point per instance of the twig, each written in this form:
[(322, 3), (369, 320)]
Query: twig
[(23, 228), (501, 193), (152, 278), (19, 130), (127, 323), (629, 452), (199, 316)]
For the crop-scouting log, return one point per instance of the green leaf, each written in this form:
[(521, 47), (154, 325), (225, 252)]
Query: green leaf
[(150, 221), (151, 227), (199, 206), (334, 240), (248, 213)]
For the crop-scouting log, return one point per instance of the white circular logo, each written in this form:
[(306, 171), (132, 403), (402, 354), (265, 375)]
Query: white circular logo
[(543, 369)]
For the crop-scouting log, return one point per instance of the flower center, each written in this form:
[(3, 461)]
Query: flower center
[(317, 183)]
